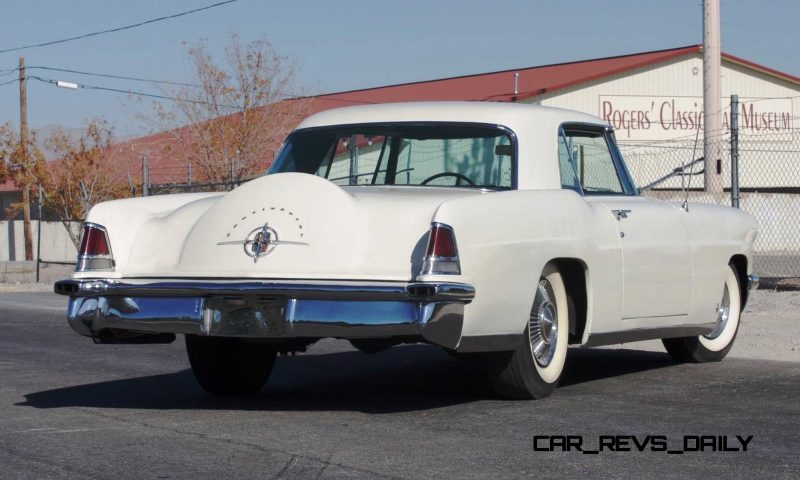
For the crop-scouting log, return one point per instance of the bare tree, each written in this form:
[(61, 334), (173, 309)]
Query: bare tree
[(22, 165), (5, 136), (5, 133), (83, 175), (228, 125)]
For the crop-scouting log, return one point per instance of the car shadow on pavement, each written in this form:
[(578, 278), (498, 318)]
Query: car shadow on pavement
[(402, 379)]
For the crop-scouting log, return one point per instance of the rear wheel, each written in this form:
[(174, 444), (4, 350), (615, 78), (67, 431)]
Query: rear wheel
[(229, 366), (716, 345), (534, 368)]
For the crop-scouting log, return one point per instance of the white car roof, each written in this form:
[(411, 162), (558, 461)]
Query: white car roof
[(499, 113)]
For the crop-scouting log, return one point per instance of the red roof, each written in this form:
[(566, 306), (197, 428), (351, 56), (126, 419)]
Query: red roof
[(533, 81), (8, 186), (499, 86), (167, 166)]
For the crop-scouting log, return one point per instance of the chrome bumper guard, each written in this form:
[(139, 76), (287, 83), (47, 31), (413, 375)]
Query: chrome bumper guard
[(753, 281), (157, 310)]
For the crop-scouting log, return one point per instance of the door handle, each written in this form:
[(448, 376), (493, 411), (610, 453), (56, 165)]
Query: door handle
[(620, 214)]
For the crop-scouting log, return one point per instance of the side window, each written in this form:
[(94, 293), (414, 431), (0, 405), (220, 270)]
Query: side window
[(593, 165), (569, 175)]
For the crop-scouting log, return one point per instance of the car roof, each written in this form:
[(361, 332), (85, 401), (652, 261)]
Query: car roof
[(497, 113)]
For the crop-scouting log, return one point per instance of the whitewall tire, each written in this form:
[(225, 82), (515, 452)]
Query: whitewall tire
[(534, 368), (714, 346)]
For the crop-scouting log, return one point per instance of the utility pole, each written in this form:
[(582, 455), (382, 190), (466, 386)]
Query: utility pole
[(735, 151), (23, 150), (712, 97), (145, 177)]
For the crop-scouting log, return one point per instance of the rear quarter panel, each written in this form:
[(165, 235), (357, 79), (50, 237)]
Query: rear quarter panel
[(506, 238)]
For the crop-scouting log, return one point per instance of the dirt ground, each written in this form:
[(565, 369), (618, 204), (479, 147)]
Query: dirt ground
[(769, 330)]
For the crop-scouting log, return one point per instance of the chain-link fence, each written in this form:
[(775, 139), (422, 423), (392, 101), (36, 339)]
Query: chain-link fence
[(168, 188), (769, 185)]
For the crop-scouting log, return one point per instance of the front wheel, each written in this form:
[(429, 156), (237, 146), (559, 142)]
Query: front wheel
[(716, 345), (229, 366), (533, 369)]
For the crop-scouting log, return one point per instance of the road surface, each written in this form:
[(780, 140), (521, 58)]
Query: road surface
[(70, 409)]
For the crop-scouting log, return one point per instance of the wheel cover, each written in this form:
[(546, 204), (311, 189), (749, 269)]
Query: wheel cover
[(723, 314), (543, 325)]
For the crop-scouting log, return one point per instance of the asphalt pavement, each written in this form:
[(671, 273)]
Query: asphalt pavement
[(72, 409)]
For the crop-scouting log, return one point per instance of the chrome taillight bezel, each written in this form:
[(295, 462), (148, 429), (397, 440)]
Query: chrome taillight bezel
[(441, 265), (95, 262)]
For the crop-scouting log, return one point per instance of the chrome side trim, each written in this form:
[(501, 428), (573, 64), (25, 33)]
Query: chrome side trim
[(614, 338), (753, 281)]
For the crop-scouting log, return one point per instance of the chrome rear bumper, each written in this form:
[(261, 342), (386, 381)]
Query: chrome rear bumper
[(133, 309)]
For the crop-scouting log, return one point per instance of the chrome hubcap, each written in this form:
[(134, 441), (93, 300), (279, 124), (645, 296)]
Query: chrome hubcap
[(543, 325), (723, 314)]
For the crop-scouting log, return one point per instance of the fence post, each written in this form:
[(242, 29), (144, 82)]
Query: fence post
[(145, 177), (735, 151)]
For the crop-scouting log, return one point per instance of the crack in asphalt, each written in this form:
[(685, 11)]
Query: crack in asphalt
[(292, 456), (26, 457)]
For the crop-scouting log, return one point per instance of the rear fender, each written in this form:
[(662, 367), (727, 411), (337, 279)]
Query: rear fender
[(505, 239)]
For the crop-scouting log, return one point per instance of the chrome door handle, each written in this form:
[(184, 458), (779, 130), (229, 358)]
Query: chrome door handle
[(620, 214)]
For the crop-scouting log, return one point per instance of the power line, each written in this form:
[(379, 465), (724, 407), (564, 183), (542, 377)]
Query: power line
[(285, 96), (134, 92), (143, 94), (117, 29), (121, 77), (9, 81), (288, 96)]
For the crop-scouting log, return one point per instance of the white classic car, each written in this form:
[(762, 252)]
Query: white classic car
[(507, 229)]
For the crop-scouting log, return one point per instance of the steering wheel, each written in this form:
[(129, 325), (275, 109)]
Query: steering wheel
[(448, 174)]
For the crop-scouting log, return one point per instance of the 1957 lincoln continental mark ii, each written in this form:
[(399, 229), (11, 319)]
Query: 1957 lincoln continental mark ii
[(506, 229)]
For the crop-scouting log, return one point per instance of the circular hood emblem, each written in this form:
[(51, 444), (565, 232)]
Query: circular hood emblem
[(260, 242)]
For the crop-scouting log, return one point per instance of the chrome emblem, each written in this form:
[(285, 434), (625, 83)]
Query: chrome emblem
[(260, 242)]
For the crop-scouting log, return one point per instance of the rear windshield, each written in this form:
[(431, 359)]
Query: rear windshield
[(442, 155)]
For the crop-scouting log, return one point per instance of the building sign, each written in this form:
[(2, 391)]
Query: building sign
[(650, 118)]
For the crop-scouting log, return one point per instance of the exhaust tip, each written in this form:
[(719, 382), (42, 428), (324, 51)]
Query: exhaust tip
[(421, 290), (66, 287)]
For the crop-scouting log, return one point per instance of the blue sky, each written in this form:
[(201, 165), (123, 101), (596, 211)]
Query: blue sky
[(354, 44)]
